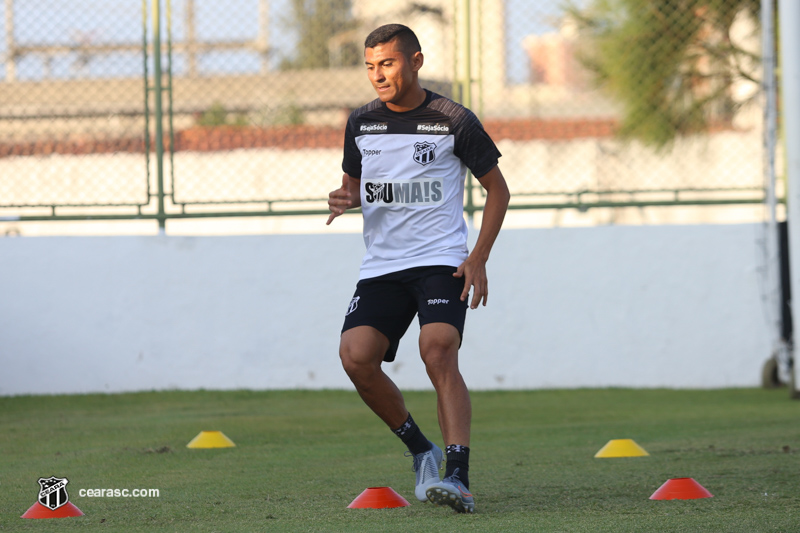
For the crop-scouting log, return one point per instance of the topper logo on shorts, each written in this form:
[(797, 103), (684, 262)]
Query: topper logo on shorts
[(424, 153), (425, 191), (437, 301)]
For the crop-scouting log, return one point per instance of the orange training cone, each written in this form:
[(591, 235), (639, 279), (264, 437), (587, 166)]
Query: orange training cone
[(682, 488), (37, 510), (378, 498)]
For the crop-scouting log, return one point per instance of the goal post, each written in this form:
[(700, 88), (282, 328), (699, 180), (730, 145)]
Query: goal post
[(789, 21)]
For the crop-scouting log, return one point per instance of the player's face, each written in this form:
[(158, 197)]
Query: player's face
[(393, 75)]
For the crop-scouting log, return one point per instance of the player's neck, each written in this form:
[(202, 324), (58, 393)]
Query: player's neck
[(411, 101)]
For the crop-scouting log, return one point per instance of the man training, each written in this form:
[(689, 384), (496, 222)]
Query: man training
[(406, 156)]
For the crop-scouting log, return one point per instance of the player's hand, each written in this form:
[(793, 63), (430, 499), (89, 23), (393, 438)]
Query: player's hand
[(473, 270), (339, 200)]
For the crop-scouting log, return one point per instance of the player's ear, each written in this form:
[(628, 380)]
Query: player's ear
[(416, 61)]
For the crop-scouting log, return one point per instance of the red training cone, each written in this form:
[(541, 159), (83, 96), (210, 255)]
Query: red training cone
[(682, 488), (37, 510), (378, 498)]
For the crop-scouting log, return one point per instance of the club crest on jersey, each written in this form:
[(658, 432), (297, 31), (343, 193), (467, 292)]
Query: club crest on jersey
[(424, 153)]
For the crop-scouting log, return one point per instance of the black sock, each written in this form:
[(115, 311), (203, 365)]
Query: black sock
[(412, 436), (457, 459)]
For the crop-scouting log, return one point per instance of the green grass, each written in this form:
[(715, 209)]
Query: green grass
[(303, 456)]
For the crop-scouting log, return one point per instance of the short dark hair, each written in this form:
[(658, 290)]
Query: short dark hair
[(406, 39)]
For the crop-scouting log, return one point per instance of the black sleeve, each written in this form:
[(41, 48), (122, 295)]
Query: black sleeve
[(351, 163), (473, 145)]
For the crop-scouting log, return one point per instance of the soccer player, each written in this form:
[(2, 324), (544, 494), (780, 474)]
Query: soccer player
[(405, 159)]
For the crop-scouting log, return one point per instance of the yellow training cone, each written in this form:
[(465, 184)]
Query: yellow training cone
[(210, 439), (621, 448)]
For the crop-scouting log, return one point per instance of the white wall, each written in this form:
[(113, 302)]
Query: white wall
[(672, 306)]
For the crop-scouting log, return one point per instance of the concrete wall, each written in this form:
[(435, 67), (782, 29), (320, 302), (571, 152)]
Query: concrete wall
[(652, 306)]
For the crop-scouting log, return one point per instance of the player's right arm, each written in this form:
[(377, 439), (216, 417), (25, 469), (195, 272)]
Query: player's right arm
[(345, 197)]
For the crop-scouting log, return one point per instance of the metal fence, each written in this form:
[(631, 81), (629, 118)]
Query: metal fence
[(197, 108)]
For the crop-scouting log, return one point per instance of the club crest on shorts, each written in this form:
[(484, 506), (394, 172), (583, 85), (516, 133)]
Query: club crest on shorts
[(53, 492), (353, 305), (424, 153)]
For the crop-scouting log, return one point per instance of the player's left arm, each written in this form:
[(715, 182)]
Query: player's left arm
[(494, 211)]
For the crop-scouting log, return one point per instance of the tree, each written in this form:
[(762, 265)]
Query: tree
[(671, 63), (317, 22)]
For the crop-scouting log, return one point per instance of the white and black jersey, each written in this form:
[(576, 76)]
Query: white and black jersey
[(412, 168)]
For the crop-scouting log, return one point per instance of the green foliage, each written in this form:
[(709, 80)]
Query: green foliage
[(671, 63), (217, 115), (302, 456), (322, 27), (289, 114)]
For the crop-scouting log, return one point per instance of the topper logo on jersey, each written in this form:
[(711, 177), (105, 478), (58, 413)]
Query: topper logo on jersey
[(425, 191), (424, 153)]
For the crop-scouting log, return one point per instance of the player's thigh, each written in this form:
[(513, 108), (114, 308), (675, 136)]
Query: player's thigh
[(383, 304), (362, 345), (439, 303)]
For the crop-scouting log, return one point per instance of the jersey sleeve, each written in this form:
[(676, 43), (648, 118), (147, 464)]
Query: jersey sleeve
[(351, 163), (474, 146)]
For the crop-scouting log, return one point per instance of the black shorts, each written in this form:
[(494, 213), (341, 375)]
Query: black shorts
[(388, 303)]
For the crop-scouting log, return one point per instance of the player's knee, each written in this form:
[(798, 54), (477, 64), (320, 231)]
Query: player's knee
[(440, 358), (349, 362), (356, 363), (438, 350), (361, 352)]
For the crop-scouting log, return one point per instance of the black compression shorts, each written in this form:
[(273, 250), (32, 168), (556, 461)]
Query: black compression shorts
[(388, 303)]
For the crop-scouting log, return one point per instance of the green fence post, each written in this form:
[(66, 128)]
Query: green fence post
[(146, 79), (470, 207), (170, 113), (157, 90)]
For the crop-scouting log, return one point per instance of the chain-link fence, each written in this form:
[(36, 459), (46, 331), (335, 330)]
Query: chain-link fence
[(612, 103)]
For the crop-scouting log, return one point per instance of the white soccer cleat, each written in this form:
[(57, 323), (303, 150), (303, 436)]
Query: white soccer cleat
[(426, 466), (451, 492)]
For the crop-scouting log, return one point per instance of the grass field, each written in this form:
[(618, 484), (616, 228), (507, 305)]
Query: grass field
[(303, 456)]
